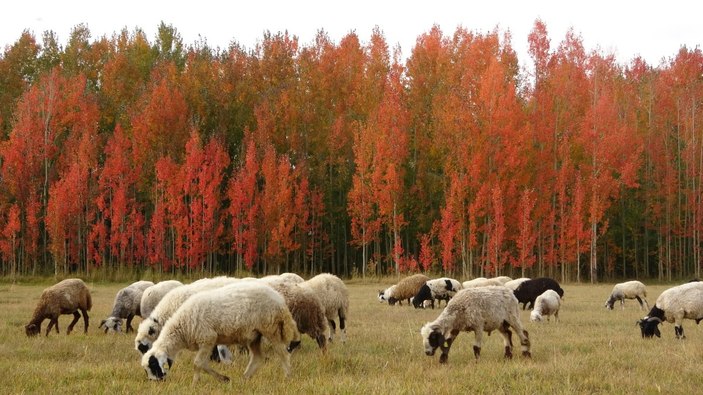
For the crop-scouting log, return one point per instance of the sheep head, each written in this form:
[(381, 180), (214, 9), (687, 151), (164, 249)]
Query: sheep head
[(113, 324), (650, 326), (610, 303), (32, 329), (432, 338), (155, 364)]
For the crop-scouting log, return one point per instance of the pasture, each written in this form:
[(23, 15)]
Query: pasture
[(591, 350)]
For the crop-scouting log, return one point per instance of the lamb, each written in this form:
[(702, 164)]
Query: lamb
[(673, 305), (476, 309), (481, 282), (404, 290), (334, 296), (627, 290), (65, 297), (241, 313), (441, 289), (150, 328), (529, 290), (153, 295), (548, 303), (126, 305), (306, 309), (513, 284)]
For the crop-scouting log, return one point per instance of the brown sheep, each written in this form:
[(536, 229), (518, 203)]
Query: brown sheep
[(66, 297), (404, 290), (306, 308)]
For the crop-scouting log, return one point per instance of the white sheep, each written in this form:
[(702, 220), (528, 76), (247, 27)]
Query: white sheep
[(126, 306), (334, 297), (241, 313), (476, 309), (153, 295), (514, 284), (674, 305), (628, 290), (437, 289), (66, 297), (503, 279), (481, 282), (546, 304), (150, 328)]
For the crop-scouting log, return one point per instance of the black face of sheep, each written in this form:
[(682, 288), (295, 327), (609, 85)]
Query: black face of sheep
[(422, 295), (143, 348), (650, 326), (293, 345), (610, 303), (435, 339), (156, 369), (32, 330)]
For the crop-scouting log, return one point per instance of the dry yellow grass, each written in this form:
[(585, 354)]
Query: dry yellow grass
[(591, 350)]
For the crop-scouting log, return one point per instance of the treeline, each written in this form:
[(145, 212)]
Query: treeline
[(118, 153)]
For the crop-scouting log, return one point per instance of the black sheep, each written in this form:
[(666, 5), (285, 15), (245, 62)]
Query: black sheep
[(529, 290)]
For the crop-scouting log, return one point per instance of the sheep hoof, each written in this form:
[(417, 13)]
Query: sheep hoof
[(443, 358), (508, 353), (224, 379), (526, 354)]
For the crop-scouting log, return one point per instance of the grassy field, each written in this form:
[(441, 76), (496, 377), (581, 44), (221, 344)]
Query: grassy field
[(591, 350)]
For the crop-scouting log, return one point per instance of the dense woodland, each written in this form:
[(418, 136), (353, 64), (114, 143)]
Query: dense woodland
[(121, 153)]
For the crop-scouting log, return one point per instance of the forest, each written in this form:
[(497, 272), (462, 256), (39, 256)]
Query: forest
[(121, 153)]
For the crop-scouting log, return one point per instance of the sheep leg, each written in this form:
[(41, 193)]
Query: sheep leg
[(76, 317), (85, 320), (333, 328), (678, 330), (640, 302), (202, 363), (255, 357), (445, 350), (342, 325), (129, 323), (51, 324), (477, 342), (507, 339), (55, 323), (524, 342), (282, 352)]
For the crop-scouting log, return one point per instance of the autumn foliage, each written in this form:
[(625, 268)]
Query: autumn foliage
[(123, 154)]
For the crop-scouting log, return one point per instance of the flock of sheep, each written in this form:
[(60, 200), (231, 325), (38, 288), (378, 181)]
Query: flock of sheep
[(210, 314), (484, 305)]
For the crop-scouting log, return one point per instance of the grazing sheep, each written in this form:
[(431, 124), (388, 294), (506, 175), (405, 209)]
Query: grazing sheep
[(241, 313), (153, 295), (529, 290), (126, 305), (673, 305), (476, 309), (404, 290), (627, 290), (334, 296), (548, 303), (65, 297), (513, 284), (151, 326), (481, 282), (440, 289), (306, 309)]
